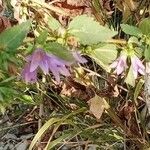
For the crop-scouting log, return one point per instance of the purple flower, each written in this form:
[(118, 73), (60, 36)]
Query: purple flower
[(120, 64), (78, 57), (47, 62), (29, 76), (40, 59), (58, 66), (137, 66)]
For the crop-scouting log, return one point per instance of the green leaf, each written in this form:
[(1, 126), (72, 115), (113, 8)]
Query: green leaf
[(131, 30), (42, 38), (130, 77), (104, 55), (27, 99), (50, 122), (12, 38), (89, 31), (147, 53), (61, 138), (59, 50), (53, 23), (145, 26), (138, 89), (42, 131)]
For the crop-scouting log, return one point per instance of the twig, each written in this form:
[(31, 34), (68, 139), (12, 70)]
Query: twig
[(16, 126)]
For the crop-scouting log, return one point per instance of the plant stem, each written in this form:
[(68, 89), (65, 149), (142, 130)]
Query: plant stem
[(147, 86), (40, 122)]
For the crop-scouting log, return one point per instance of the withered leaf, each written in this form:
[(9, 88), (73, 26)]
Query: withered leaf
[(97, 106), (4, 23)]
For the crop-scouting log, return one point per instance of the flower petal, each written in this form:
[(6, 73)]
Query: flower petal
[(121, 64), (29, 76), (114, 64), (78, 57), (64, 71), (55, 72), (141, 71), (44, 67)]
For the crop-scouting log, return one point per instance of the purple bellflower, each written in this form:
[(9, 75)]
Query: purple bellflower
[(119, 64), (137, 66), (47, 62)]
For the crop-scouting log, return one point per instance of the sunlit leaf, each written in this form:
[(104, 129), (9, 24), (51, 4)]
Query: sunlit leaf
[(104, 55), (53, 23), (89, 31), (130, 77)]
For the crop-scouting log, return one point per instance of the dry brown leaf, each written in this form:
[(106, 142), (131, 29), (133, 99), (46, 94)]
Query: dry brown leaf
[(97, 106), (77, 2), (4, 23)]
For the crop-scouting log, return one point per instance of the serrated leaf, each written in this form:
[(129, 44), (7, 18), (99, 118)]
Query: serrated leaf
[(12, 38), (89, 31), (97, 106), (53, 23), (105, 55), (145, 26), (131, 30), (130, 77), (59, 50)]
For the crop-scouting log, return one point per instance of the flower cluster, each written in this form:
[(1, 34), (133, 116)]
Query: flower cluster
[(121, 64), (47, 62)]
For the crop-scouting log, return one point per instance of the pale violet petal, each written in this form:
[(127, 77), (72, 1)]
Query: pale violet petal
[(44, 67), (55, 72), (78, 57), (141, 71), (114, 64)]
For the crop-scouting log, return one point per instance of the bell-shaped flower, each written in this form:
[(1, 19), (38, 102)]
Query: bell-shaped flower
[(120, 64), (137, 66), (47, 62)]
